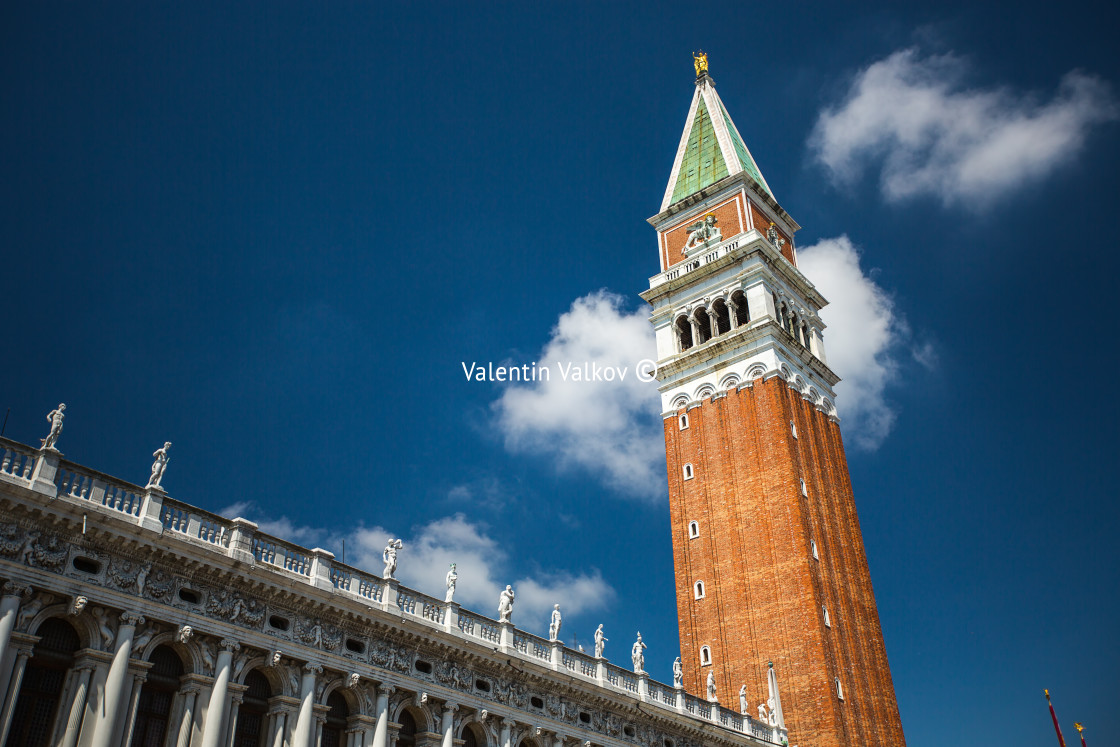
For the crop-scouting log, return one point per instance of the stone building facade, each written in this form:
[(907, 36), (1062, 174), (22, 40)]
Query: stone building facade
[(129, 619), (769, 557)]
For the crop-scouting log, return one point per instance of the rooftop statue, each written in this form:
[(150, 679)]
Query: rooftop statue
[(711, 686), (451, 580), (678, 673), (505, 604), (637, 654), (774, 238), (600, 641), (554, 624), (700, 62), (389, 555), (159, 465), (55, 418)]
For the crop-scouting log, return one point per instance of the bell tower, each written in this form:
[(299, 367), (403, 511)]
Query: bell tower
[(769, 558)]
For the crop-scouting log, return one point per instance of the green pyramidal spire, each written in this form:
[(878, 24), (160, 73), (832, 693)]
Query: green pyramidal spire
[(711, 147)]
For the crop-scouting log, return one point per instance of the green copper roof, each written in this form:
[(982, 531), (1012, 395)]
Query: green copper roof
[(710, 149), (745, 159), (703, 163)]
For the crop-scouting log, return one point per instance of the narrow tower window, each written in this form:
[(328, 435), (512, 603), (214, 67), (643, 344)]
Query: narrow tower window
[(804, 490), (706, 657), (687, 472), (682, 421), (793, 428), (698, 590), (813, 547), (839, 689), (693, 529), (827, 622)]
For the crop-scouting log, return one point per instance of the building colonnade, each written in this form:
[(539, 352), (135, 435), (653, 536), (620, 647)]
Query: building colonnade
[(76, 675)]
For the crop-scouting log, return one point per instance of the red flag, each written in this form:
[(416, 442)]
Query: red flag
[(1058, 729)]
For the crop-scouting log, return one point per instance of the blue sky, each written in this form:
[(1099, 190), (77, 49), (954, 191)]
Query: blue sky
[(272, 235)]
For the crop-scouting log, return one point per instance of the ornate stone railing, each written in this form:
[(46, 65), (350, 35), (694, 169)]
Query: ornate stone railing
[(18, 460), (46, 473)]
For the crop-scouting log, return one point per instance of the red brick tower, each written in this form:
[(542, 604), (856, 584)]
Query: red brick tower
[(769, 556)]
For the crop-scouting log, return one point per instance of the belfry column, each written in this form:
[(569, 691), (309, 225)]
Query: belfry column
[(216, 711), (22, 654), (114, 683), (381, 729)]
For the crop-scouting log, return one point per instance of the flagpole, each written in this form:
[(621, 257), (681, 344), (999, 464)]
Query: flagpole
[(1057, 729), (1080, 730)]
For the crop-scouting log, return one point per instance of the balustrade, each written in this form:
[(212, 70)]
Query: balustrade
[(18, 461)]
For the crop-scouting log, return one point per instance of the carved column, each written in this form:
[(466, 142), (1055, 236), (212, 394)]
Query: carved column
[(82, 672), (9, 608), (305, 720), (9, 611), (212, 733), (234, 709), (381, 729), (138, 679), (111, 704), (281, 710), (448, 725), (695, 324), (713, 321), (506, 733), (22, 655), (189, 694)]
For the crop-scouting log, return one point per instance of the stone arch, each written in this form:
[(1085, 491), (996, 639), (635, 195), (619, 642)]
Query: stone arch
[(275, 677), (814, 395), (785, 373), (704, 391), (756, 371), (84, 624), (422, 715), (191, 662), (484, 734), (354, 702), (797, 383), (730, 381), (680, 401), (682, 328)]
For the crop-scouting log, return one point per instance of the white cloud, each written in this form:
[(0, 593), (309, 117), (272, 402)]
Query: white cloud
[(863, 336), (932, 136), (482, 563), (610, 428)]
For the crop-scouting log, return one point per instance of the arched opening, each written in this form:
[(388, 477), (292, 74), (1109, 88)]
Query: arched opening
[(698, 590), (705, 656), (740, 308), (43, 679), (693, 529), (335, 727), (722, 315), (704, 325), (472, 736), (153, 709), (406, 736), (253, 713), (684, 333)]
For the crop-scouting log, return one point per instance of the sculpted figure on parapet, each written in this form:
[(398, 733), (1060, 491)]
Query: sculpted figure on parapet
[(389, 555), (505, 604), (678, 673), (451, 580), (600, 641), (554, 624), (159, 465), (711, 686), (637, 654), (55, 418)]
